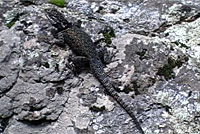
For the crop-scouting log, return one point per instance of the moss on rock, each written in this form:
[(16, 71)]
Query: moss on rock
[(59, 3)]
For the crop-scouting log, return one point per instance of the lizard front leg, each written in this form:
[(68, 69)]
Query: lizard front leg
[(59, 40)]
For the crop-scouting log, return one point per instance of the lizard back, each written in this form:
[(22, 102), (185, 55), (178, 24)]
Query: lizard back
[(80, 42)]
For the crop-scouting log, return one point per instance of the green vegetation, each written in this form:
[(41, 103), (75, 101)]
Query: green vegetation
[(10, 24), (11, 21), (108, 33), (59, 3), (107, 38), (167, 69)]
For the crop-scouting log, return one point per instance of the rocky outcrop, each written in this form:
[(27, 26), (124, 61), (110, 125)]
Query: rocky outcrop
[(155, 68)]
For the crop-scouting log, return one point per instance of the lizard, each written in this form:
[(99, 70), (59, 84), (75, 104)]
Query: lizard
[(82, 45)]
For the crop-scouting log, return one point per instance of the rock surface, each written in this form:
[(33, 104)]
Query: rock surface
[(156, 68)]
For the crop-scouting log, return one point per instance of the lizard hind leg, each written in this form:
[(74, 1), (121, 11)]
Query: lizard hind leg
[(78, 63), (59, 40)]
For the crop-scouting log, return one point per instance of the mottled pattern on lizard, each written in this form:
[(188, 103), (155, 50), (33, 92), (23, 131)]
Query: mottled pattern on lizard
[(81, 44)]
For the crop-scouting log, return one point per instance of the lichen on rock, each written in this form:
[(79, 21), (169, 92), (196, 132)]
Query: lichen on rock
[(155, 68)]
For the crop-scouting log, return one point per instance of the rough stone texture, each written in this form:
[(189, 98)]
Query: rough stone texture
[(156, 69)]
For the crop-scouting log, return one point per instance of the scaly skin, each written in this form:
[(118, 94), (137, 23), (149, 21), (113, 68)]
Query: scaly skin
[(82, 45)]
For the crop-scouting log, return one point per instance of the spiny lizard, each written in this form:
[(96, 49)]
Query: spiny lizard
[(81, 44)]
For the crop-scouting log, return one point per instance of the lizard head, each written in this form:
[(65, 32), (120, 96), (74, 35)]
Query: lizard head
[(57, 19)]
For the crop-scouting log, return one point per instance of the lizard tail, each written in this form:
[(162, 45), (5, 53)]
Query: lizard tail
[(97, 68)]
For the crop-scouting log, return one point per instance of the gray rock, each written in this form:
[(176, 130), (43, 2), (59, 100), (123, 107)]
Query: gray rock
[(155, 69)]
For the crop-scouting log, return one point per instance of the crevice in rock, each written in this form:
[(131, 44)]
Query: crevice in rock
[(83, 131), (57, 82), (1, 77), (1, 43), (3, 124), (13, 84), (165, 26), (41, 122), (159, 106)]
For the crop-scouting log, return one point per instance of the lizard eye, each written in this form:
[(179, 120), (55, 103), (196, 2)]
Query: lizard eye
[(47, 10)]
